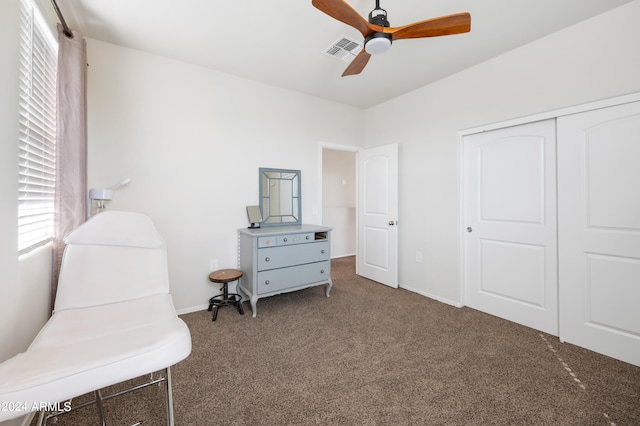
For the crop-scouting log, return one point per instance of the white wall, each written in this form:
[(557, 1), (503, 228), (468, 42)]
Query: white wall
[(339, 200), (596, 59), (192, 140)]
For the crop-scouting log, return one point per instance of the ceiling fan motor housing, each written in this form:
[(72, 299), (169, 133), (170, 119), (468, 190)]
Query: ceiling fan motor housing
[(378, 16), (378, 42)]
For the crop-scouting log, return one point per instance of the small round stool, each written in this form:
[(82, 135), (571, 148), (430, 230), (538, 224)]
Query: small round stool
[(225, 276)]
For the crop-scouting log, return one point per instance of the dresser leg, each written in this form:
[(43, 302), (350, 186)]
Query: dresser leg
[(254, 309), (328, 289)]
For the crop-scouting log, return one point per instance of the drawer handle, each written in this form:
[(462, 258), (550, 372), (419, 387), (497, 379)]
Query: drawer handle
[(266, 282), (322, 271), (322, 251), (285, 240), (307, 237), (266, 259)]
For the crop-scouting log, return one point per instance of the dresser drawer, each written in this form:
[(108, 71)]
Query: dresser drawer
[(296, 239), (281, 279), (286, 239), (283, 256), (267, 242)]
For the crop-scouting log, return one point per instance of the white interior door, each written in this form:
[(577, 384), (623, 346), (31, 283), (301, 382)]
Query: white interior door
[(599, 230), (377, 253), (509, 213)]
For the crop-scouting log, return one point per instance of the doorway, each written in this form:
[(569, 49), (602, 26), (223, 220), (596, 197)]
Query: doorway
[(339, 198), (370, 211)]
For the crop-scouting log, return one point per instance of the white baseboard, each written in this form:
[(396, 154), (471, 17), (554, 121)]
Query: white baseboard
[(431, 296), (192, 309), (414, 290), (343, 255)]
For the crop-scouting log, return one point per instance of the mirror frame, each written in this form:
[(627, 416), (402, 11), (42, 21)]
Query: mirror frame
[(264, 182)]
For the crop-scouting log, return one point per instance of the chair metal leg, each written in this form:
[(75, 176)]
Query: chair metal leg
[(169, 396), (45, 415), (100, 408)]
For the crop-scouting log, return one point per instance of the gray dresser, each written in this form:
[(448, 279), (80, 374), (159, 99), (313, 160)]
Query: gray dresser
[(281, 259)]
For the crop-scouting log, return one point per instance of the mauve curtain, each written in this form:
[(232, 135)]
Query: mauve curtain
[(71, 145)]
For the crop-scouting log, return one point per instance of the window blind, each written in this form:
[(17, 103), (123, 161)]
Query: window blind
[(37, 123)]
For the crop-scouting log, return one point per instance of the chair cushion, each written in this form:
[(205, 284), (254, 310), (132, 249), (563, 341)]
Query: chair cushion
[(80, 350), (115, 228), (113, 257), (97, 275)]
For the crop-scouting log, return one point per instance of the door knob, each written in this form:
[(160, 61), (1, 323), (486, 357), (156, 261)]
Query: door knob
[(391, 223), (469, 229)]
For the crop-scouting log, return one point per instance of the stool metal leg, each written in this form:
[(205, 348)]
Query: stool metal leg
[(225, 299), (215, 312), (225, 291)]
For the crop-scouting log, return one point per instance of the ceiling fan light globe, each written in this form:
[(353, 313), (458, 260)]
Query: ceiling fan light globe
[(377, 45)]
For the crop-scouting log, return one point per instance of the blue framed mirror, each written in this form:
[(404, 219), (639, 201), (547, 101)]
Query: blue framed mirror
[(280, 199)]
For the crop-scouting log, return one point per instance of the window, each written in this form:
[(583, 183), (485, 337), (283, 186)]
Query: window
[(37, 143)]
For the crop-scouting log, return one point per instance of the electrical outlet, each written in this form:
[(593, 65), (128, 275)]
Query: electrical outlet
[(419, 256), (213, 265)]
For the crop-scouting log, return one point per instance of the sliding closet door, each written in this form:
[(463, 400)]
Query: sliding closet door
[(599, 230), (509, 213)]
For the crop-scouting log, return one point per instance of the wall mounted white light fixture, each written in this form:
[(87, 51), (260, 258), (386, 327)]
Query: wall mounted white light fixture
[(100, 195)]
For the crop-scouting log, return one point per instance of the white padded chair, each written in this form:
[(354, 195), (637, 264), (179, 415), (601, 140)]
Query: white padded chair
[(114, 320)]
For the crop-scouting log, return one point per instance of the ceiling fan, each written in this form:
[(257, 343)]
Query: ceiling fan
[(378, 34)]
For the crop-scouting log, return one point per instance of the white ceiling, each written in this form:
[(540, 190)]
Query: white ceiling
[(280, 42)]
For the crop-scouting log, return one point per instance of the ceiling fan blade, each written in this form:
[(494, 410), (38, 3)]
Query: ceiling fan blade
[(357, 65), (444, 25), (341, 11)]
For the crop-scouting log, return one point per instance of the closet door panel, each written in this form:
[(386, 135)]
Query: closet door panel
[(599, 230), (510, 259)]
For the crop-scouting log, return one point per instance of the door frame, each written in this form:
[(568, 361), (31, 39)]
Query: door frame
[(337, 147), (317, 208)]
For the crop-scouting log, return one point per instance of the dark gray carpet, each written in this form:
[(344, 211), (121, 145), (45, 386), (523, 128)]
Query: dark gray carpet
[(372, 355)]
